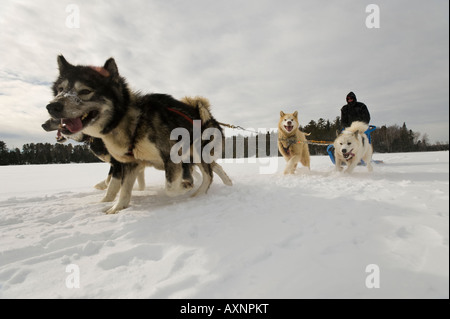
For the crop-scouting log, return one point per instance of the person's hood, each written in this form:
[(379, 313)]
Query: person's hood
[(352, 95)]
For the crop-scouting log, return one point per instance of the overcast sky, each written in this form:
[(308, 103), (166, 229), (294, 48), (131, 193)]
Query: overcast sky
[(251, 58)]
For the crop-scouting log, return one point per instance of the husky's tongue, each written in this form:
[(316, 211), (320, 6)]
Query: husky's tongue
[(289, 128), (73, 125), (349, 155)]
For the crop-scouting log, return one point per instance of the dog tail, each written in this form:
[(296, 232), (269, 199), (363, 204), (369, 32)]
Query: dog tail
[(306, 134), (358, 126), (208, 121), (204, 109), (202, 104)]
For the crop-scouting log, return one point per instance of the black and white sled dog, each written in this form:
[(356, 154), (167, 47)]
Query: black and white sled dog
[(351, 146), (117, 170), (137, 129)]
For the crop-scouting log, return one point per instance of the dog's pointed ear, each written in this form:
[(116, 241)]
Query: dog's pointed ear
[(63, 65), (356, 134), (337, 133), (111, 67), (282, 113), (295, 114)]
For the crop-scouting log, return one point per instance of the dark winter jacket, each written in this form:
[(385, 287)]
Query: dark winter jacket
[(354, 111)]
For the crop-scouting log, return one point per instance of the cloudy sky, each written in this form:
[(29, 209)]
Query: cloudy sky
[(251, 58)]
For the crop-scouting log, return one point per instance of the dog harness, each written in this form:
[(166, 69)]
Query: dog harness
[(182, 115), (290, 141)]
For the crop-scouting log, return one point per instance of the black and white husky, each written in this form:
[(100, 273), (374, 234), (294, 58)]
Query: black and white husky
[(137, 129)]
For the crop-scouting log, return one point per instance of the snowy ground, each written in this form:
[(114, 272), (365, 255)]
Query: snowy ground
[(311, 235)]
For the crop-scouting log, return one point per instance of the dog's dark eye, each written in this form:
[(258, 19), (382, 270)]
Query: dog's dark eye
[(60, 89), (84, 92), (349, 143)]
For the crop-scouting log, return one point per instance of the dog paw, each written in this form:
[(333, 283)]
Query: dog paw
[(227, 181), (177, 190), (108, 199), (187, 185), (101, 186), (112, 210), (115, 209)]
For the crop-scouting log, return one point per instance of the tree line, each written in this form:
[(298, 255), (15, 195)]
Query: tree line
[(46, 153), (385, 139)]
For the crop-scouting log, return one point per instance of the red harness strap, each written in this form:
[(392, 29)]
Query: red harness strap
[(181, 114)]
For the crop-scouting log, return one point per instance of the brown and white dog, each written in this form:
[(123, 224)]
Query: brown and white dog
[(292, 142)]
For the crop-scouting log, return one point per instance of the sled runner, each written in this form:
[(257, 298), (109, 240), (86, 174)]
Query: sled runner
[(330, 148)]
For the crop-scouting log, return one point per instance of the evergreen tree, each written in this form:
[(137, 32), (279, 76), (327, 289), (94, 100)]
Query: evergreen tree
[(4, 160)]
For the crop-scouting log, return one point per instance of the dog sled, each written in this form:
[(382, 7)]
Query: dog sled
[(330, 148)]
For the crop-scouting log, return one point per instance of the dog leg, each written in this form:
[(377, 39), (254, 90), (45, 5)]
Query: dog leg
[(187, 180), (369, 165), (207, 179), (305, 160), (352, 165), (108, 179), (368, 160), (195, 173), (104, 184), (129, 177), (291, 165), (113, 189), (141, 178), (175, 185), (221, 173), (338, 164), (115, 179)]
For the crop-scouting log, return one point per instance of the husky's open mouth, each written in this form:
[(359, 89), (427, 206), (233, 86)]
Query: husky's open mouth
[(349, 155), (74, 125), (289, 128)]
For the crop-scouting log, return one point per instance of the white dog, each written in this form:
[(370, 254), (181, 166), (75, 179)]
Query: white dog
[(352, 146)]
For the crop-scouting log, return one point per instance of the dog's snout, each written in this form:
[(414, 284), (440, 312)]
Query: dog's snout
[(45, 126), (55, 107), (289, 123), (51, 125), (344, 150)]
